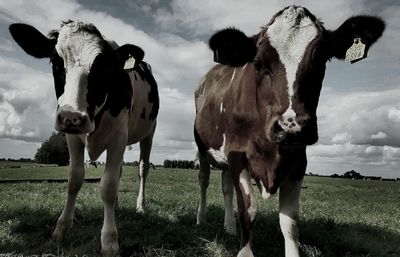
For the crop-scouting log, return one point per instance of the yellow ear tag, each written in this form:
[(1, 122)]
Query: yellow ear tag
[(130, 63), (356, 52)]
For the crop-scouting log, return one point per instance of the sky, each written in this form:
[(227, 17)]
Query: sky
[(359, 108)]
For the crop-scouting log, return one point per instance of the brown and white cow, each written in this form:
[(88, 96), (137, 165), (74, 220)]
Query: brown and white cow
[(256, 111), (101, 106)]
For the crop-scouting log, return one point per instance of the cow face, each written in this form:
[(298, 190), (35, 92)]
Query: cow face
[(289, 56), (288, 52), (86, 70)]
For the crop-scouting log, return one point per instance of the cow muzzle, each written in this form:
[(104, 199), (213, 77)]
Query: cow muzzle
[(291, 134), (71, 121)]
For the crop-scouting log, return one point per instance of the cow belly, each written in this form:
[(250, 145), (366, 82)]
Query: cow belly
[(139, 131), (140, 122)]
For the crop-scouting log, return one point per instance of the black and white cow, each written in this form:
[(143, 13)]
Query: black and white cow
[(256, 111), (101, 106)]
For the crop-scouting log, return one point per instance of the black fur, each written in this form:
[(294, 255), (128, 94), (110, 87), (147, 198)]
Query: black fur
[(143, 114), (107, 77), (232, 47), (368, 28), (200, 144), (37, 45), (146, 75), (58, 73), (127, 50)]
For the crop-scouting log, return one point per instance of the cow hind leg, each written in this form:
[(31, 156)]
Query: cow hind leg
[(204, 179), (144, 166), (227, 190), (75, 181), (289, 193)]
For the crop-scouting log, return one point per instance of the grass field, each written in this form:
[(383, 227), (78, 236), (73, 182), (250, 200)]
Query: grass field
[(338, 217)]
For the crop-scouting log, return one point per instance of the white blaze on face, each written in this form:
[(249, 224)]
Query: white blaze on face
[(78, 50), (290, 34)]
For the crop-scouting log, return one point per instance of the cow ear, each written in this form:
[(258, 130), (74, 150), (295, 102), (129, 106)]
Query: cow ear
[(32, 41), (368, 29), (232, 47), (130, 55)]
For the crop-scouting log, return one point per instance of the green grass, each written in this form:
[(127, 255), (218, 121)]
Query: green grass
[(338, 217)]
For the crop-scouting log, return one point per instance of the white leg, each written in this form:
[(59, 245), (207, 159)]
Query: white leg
[(75, 181), (144, 166), (245, 251), (109, 189), (248, 209), (227, 190), (204, 178), (289, 194)]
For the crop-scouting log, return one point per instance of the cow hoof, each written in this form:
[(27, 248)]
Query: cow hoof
[(231, 229), (110, 250), (140, 209), (201, 217), (245, 252), (109, 243), (61, 230)]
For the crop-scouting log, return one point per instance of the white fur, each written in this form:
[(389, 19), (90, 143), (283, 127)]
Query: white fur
[(245, 251), (244, 180), (289, 194), (233, 75), (290, 39), (219, 155), (78, 51), (75, 89), (290, 234), (264, 192)]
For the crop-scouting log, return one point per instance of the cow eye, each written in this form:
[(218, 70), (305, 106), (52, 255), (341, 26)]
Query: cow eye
[(258, 64)]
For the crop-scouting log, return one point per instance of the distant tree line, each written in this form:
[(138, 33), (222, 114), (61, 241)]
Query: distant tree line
[(180, 164), (352, 174), (134, 163), (16, 160)]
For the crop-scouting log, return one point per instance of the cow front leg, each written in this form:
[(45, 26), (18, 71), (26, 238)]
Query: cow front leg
[(204, 180), (248, 208), (109, 189), (144, 166), (227, 190), (289, 194), (75, 181)]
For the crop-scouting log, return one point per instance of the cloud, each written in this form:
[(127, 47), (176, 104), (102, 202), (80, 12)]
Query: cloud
[(202, 19), (359, 111), (379, 135), (27, 102), (360, 117), (177, 63)]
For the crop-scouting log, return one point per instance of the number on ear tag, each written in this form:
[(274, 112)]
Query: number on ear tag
[(130, 63), (356, 52)]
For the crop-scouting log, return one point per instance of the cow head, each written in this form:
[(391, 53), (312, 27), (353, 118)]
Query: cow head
[(289, 57), (87, 70)]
